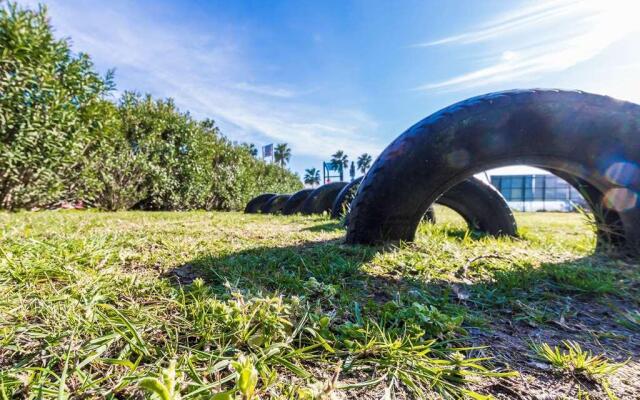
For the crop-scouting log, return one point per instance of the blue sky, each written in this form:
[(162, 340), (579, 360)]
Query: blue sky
[(329, 75)]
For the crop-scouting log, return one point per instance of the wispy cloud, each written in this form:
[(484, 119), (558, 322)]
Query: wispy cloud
[(509, 23), (548, 37), (265, 90), (207, 75)]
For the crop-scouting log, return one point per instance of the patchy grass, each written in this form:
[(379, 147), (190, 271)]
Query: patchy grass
[(578, 363), (574, 360), (192, 305)]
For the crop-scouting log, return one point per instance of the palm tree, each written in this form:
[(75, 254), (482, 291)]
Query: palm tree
[(364, 162), (253, 150), (312, 176), (282, 154), (339, 159)]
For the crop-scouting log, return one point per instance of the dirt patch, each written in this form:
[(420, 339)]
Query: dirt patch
[(593, 325)]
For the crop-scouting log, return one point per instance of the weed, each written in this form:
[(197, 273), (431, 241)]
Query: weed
[(576, 362), (165, 386)]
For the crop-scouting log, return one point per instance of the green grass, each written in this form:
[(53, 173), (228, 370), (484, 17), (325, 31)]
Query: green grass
[(192, 305), (578, 363)]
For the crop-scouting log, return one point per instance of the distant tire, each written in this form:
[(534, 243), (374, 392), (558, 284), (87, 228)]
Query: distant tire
[(254, 205), (295, 202), (322, 198), (343, 200), (481, 205), (274, 204), (342, 203), (588, 138)]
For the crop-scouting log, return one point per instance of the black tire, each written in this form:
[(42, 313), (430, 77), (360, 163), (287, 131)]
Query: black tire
[(274, 205), (295, 202), (254, 205), (342, 203), (480, 204), (321, 199), (587, 138)]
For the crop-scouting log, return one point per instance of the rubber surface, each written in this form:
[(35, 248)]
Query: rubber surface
[(321, 199), (587, 138), (480, 204), (341, 204), (253, 206), (295, 202), (275, 204)]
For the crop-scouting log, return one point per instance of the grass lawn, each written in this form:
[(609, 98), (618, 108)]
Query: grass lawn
[(189, 305)]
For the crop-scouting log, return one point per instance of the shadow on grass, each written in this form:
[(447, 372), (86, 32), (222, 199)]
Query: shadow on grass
[(461, 234), (582, 299), (328, 227), (284, 270), (451, 232)]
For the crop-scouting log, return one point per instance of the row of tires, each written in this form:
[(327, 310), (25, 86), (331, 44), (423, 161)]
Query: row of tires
[(480, 204), (305, 201), (591, 141)]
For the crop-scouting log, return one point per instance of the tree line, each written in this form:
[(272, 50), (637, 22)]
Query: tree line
[(340, 160), (63, 138)]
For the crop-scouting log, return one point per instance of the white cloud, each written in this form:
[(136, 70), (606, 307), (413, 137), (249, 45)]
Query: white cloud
[(265, 90), (211, 76), (511, 22), (548, 37)]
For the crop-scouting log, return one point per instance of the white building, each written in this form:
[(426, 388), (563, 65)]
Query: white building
[(531, 189)]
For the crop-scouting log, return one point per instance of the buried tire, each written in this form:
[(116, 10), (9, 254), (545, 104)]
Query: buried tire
[(254, 205), (342, 203), (585, 138), (275, 204), (295, 202), (322, 198), (481, 205)]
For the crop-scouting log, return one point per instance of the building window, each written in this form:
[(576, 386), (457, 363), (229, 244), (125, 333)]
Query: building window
[(538, 191)]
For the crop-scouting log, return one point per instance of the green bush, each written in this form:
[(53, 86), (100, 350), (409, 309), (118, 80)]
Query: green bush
[(154, 157), (47, 110), (60, 139), (114, 175)]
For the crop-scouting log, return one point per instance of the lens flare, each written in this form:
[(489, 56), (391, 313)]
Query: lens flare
[(623, 173), (620, 199)]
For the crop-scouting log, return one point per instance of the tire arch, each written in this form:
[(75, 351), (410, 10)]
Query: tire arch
[(296, 200), (581, 136), (254, 205), (275, 204), (481, 206), (322, 198)]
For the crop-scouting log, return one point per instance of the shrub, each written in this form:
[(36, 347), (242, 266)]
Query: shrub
[(155, 157), (47, 109), (60, 139), (113, 174)]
